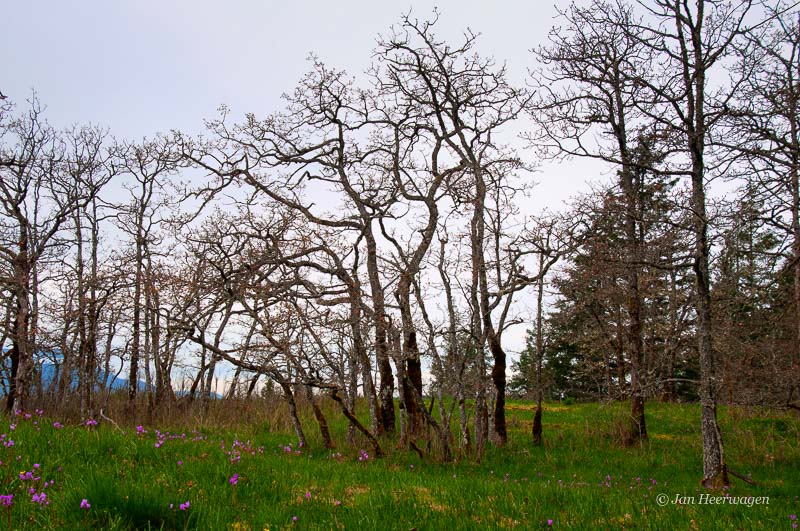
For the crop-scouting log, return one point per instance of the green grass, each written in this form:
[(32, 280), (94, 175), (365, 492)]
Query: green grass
[(581, 478)]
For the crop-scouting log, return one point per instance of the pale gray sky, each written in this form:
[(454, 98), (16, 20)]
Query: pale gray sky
[(144, 66)]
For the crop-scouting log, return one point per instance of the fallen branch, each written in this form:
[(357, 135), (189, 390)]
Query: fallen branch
[(376, 447), (743, 478), (102, 416)]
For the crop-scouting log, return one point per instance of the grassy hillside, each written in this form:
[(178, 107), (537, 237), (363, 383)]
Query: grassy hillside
[(254, 478)]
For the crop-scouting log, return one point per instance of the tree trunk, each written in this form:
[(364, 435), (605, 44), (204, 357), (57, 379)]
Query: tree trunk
[(298, 427), (413, 384), (377, 419), (714, 469), (481, 410), (536, 430), (21, 352), (638, 429), (92, 312), (321, 420), (386, 389), (795, 189), (80, 290), (352, 396), (499, 381), (137, 326), (619, 345), (252, 386)]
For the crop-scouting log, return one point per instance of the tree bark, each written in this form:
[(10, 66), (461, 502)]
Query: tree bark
[(21, 352), (386, 385), (321, 420)]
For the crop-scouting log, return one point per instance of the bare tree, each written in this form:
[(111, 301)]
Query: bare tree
[(38, 196), (456, 102), (590, 86), (549, 238), (316, 142), (691, 43), (91, 167), (148, 165)]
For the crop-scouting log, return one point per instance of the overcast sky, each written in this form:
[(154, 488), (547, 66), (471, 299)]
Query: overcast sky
[(144, 66)]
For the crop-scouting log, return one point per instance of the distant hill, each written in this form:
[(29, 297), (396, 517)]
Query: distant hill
[(50, 375)]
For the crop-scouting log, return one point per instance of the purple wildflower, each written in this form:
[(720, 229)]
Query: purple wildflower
[(184, 506), (234, 479), (40, 498), (85, 504)]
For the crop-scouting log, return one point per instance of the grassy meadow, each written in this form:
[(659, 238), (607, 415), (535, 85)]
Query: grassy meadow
[(249, 474)]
